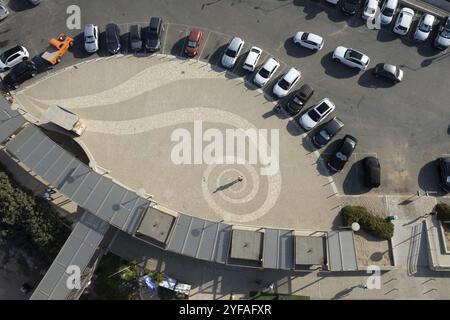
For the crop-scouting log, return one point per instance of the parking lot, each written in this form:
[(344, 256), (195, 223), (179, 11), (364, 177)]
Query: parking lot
[(406, 125)]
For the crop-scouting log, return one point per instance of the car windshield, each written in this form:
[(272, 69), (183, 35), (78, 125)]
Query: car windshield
[(192, 44), (264, 73), (354, 54), (324, 134), (230, 53), (314, 115), (401, 27), (297, 100), (388, 12), (425, 28), (284, 84)]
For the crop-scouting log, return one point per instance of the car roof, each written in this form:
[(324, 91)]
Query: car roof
[(135, 28), (154, 22), (12, 51), (333, 125), (271, 63), (314, 38), (371, 161), (409, 12), (291, 74), (234, 44), (391, 3), (194, 34), (428, 19), (373, 3), (389, 68), (111, 27)]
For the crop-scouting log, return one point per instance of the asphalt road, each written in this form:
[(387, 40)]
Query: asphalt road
[(407, 125)]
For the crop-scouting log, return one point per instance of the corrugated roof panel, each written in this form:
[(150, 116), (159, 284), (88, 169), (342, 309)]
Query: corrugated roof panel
[(348, 251), (47, 161), (60, 291), (334, 250), (206, 247), (112, 203), (51, 278), (29, 145), (98, 195), (58, 168), (222, 246), (180, 233), (270, 248), (10, 126), (40, 152), (73, 180), (22, 137), (286, 250), (126, 205), (135, 216), (38, 295), (66, 253), (86, 188), (194, 237)]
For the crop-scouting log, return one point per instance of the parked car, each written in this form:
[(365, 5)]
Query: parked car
[(12, 57), (299, 99), (91, 38), (332, 1), (252, 59), (350, 7), (286, 83), (193, 43), (351, 57), (444, 173), (309, 40), (388, 11), (424, 27), (372, 172), (404, 21), (3, 13), (34, 2), (155, 28), (266, 72), (136, 37), (442, 40), (58, 47), (388, 71), (19, 74), (340, 156), (370, 9), (232, 52), (326, 132), (112, 32), (316, 114)]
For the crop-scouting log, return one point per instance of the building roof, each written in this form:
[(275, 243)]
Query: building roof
[(156, 225), (79, 250), (310, 250), (10, 120), (278, 249), (97, 194), (341, 251), (246, 245)]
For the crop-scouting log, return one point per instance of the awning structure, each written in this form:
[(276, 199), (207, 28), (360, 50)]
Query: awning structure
[(278, 249), (80, 249), (10, 120), (342, 251), (93, 192)]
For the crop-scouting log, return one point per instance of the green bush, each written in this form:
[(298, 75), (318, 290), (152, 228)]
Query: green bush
[(369, 222), (443, 211)]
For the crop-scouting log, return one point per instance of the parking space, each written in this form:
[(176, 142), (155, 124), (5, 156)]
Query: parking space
[(175, 38), (214, 47)]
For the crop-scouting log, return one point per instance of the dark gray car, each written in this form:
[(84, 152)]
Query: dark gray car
[(299, 99), (135, 37), (327, 131), (153, 41)]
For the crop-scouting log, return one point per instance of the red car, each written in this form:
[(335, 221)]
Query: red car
[(193, 43)]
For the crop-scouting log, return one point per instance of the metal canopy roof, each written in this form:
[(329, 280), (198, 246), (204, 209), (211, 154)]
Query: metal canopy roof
[(99, 195), (10, 120), (278, 250), (201, 239), (342, 251), (310, 250), (156, 225), (78, 250), (246, 245)]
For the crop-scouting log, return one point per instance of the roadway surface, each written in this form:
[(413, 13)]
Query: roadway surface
[(406, 125)]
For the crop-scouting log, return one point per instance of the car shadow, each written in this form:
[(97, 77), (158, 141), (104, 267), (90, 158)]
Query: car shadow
[(385, 34), (125, 43), (308, 144), (354, 180), (428, 178), (293, 128), (296, 50), (369, 80), (19, 5), (216, 56), (41, 64), (177, 48), (336, 69), (77, 49)]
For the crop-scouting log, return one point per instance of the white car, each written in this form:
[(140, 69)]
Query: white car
[(370, 9), (309, 40), (351, 57), (4, 13), (442, 40), (252, 59), (266, 72), (286, 83), (332, 1), (12, 57), (91, 38), (232, 52), (316, 114), (404, 21), (424, 27), (388, 11)]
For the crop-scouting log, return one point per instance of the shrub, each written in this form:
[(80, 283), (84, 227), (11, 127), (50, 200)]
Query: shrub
[(369, 222), (443, 211)]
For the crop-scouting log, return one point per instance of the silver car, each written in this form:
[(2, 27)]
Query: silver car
[(3, 13), (232, 52)]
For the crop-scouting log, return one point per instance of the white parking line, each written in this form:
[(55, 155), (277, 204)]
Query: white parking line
[(204, 46), (166, 31)]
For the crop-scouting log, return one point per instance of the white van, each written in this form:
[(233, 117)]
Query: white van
[(65, 119)]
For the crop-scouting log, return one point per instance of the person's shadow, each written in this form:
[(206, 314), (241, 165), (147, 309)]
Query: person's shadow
[(344, 293), (227, 185)]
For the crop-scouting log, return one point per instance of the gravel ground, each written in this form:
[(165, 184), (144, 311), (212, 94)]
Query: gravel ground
[(372, 251)]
